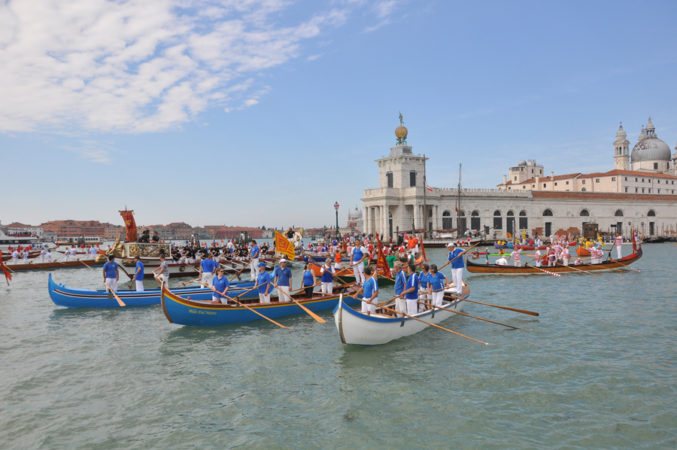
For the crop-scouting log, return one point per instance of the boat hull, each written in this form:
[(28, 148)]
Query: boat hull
[(356, 328), (82, 298), (182, 311), (76, 264)]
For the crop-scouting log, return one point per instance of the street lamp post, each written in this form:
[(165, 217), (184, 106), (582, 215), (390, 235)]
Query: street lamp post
[(336, 207)]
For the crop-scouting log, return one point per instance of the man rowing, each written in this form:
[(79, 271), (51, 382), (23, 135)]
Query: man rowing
[(370, 292), (457, 266), (111, 274), (219, 285), (207, 268), (411, 290), (283, 281), (327, 277), (263, 283), (400, 283), (138, 274), (359, 254), (254, 254)]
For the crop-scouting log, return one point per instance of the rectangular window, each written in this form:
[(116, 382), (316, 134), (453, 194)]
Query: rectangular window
[(596, 180), (498, 223), (642, 190), (543, 184), (626, 189), (658, 181), (642, 180), (567, 182), (636, 190), (412, 178), (626, 178), (515, 178), (389, 177), (613, 178), (635, 179), (655, 166), (582, 181), (555, 183)]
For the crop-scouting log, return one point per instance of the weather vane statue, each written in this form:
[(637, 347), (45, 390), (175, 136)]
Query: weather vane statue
[(401, 132)]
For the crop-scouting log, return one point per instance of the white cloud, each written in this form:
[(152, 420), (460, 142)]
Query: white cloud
[(92, 151), (138, 65)]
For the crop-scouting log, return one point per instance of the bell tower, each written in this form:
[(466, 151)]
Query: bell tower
[(621, 150)]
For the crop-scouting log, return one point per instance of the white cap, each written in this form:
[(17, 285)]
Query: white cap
[(283, 260), (450, 244)]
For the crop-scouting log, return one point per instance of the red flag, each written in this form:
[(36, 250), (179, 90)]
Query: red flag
[(130, 224), (428, 188), (5, 270), (381, 262)]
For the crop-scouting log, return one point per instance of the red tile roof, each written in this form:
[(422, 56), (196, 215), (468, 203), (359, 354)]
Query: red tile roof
[(602, 196)]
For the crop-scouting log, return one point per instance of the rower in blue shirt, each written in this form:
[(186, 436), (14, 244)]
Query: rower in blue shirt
[(308, 280), (138, 274), (220, 285), (370, 292), (456, 258), (411, 290), (327, 277), (254, 254), (111, 274), (437, 282), (424, 291), (207, 268), (283, 281), (400, 282), (263, 284)]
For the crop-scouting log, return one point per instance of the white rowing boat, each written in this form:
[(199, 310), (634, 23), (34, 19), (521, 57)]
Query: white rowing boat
[(357, 328)]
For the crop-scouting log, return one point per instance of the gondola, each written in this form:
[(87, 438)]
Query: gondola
[(495, 269), (84, 298), (182, 311), (357, 328)]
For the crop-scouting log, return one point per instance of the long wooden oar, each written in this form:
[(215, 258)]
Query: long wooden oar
[(474, 317), (458, 256), (119, 300), (310, 313), (85, 264), (189, 281), (554, 274), (425, 322), (522, 311)]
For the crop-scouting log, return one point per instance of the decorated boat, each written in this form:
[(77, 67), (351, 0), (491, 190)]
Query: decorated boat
[(184, 311), (355, 327), (83, 298), (495, 269)]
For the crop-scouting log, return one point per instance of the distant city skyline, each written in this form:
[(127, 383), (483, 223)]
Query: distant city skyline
[(267, 112)]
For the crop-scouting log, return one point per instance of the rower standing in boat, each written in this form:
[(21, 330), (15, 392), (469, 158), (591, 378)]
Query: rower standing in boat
[(456, 266), (437, 283), (619, 244), (283, 281), (359, 254), (327, 277), (49, 255), (138, 274), (43, 253), (424, 291), (162, 271), (220, 285), (370, 292), (254, 254), (263, 284), (111, 274), (308, 280), (207, 268), (411, 290), (400, 283)]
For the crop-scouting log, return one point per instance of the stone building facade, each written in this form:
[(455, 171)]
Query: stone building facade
[(403, 203)]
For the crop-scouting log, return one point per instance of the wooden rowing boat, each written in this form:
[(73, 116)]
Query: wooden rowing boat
[(182, 311), (494, 269), (84, 298), (355, 327), (76, 264)]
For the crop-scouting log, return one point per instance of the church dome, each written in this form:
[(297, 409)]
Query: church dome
[(649, 147)]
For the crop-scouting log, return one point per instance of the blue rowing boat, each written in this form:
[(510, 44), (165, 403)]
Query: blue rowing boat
[(182, 311), (84, 298)]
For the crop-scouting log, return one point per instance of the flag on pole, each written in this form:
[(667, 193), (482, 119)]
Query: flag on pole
[(428, 188), (283, 246), (130, 225), (381, 263)]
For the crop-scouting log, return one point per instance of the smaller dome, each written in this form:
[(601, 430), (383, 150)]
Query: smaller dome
[(651, 149), (401, 132), (621, 134)]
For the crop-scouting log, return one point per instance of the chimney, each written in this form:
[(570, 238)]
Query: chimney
[(505, 179)]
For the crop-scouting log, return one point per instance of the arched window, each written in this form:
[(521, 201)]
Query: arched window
[(524, 224), (475, 220), (547, 212), (618, 213), (652, 213), (510, 222), (498, 221), (584, 213), (446, 220)]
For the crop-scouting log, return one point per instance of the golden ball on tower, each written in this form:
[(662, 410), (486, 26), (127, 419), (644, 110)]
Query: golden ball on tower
[(401, 132)]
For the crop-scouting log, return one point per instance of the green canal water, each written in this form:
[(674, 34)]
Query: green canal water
[(597, 369)]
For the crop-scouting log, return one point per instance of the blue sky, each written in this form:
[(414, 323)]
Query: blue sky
[(265, 112)]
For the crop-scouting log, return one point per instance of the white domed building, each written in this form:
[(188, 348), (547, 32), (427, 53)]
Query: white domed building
[(651, 154)]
